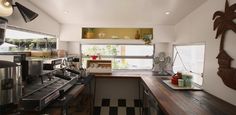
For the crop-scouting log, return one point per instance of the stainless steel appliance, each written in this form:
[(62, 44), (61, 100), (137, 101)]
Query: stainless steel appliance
[(150, 105), (3, 25), (37, 95), (10, 83), (54, 82), (32, 69)]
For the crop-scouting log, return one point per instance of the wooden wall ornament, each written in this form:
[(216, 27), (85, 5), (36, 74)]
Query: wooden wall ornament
[(223, 22)]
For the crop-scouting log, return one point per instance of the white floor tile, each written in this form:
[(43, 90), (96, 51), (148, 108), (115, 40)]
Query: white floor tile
[(114, 102), (104, 111), (137, 111), (121, 110), (129, 103)]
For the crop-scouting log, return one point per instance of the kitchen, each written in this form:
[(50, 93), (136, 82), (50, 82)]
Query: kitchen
[(174, 24)]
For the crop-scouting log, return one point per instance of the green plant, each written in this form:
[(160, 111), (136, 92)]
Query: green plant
[(147, 38)]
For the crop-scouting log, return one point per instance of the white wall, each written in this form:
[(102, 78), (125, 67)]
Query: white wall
[(198, 27), (43, 23), (164, 33), (163, 47), (112, 88), (70, 32), (74, 48), (62, 45)]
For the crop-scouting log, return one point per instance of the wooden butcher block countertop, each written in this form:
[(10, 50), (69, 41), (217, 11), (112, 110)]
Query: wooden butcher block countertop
[(175, 102)]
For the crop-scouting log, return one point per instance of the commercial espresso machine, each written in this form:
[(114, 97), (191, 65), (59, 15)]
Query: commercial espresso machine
[(50, 85)]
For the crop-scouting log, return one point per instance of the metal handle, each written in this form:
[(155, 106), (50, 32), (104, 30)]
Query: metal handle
[(146, 92)]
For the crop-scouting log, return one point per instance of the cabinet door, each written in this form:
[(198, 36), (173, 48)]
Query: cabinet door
[(150, 105)]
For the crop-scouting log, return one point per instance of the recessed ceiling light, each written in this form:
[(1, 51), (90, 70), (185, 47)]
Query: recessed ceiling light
[(167, 13), (66, 12)]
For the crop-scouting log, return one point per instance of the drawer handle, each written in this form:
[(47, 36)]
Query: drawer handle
[(146, 92)]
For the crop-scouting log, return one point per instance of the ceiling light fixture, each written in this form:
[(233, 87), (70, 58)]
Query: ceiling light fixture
[(5, 8), (167, 13), (26, 13), (66, 12)]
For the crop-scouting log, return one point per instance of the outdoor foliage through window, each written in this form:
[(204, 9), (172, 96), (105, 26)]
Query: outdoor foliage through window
[(122, 56)]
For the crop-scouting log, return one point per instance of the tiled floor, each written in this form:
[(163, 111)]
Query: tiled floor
[(117, 107)]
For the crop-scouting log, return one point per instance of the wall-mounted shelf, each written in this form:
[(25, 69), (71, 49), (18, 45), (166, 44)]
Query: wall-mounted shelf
[(116, 33)]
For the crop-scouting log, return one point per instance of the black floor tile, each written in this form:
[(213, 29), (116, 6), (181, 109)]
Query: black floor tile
[(113, 111), (122, 102), (145, 111), (130, 111), (137, 103), (96, 110), (105, 102)]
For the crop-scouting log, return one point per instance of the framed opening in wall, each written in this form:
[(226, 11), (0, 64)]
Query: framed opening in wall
[(18, 39), (190, 58), (123, 56)]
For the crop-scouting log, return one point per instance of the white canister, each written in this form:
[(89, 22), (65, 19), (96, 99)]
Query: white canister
[(180, 82)]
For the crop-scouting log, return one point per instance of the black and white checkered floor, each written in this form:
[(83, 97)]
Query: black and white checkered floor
[(117, 107)]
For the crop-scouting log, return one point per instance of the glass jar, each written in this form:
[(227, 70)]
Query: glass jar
[(188, 82)]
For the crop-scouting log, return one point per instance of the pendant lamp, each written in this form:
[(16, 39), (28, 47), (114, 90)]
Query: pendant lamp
[(5, 8), (26, 13)]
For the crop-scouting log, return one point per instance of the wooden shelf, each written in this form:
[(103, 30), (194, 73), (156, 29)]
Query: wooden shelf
[(115, 33)]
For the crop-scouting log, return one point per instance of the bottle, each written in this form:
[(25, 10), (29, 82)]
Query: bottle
[(137, 35)]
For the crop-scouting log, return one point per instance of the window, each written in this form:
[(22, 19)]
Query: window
[(122, 56), (189, 58), (17, 39)]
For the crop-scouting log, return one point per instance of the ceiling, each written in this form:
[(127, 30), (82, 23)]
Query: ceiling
[(117, 11)]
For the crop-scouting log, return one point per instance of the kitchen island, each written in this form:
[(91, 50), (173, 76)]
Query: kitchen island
[(173, 102)]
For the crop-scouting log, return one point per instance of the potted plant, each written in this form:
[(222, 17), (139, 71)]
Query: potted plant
[(89, 33), (147, 39)]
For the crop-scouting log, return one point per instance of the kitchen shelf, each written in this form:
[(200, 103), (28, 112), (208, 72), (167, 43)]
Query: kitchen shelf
[(111, 41), (115, 33)]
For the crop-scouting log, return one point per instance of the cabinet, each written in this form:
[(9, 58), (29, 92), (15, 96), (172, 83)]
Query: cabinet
[(99, 66), (150, 104), (116, 33)]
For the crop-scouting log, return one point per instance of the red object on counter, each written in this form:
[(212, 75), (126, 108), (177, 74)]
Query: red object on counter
[(94, 57), (175, 77), (174, 81)]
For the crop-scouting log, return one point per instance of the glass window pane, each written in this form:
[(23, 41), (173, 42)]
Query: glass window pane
[(106, 50), (138, 50), (118, 50), (190, 58), (122, 56), (118, 63), (132, 63), (23, 40)]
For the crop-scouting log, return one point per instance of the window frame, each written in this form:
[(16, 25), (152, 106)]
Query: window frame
[(191, 44), (34, 32), (120, 57), (30, 31)]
